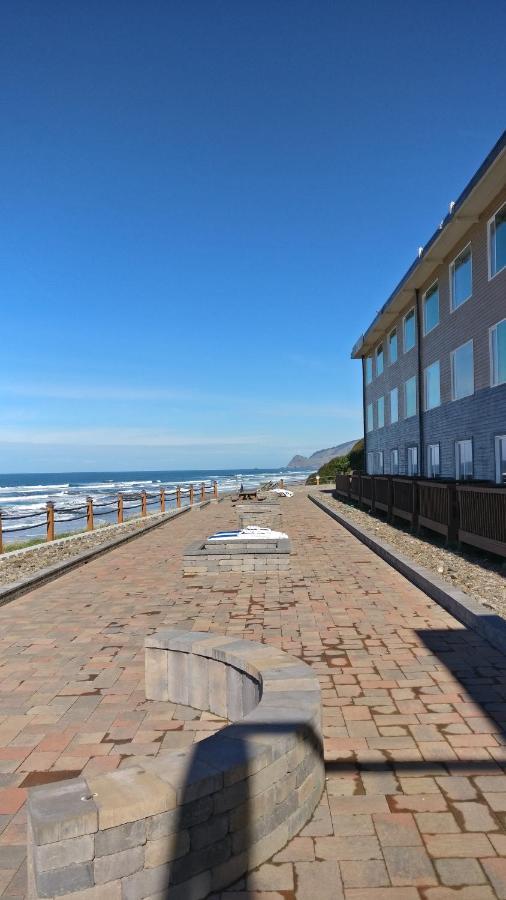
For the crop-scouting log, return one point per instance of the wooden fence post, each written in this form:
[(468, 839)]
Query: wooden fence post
[(1, 538), (162, 499), (144, 504), (390, 501), (191, 494), (215, 490), (89, 513), (178, 497), (120, 509), (202, 492), (49, 520), (453, 514)]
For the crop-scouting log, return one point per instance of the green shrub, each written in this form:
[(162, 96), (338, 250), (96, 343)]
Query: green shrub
[(353, 461)]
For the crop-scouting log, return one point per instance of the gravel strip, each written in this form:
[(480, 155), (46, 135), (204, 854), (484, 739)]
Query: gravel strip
[(479, 576), (20, 564)]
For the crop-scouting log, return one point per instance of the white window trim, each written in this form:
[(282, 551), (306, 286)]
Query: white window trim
[(381, 344), (424, 297), (416, 398), (394, 450), (427, 408), (370, 380), (491, 353), (498, 437), (489, 246), (371, 407), (412, 310), (390, 363), (463, 441), (377, 411), (452, 356), (429, 448), (450, 279), (393, 421), (412, 447)]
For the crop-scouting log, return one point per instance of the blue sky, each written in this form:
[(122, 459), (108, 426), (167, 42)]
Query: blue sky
[(203, 204)]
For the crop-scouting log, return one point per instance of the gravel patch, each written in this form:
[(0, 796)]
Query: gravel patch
[(20, 564), (482, 577)]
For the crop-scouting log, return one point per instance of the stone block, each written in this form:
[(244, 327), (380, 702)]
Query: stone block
[(211, 831), (58, 811), (128, 795), (200, 860), (64, 881), (234, 679), (61, 854), (156, 674), (123, 837), (164, 849), (198, 669), (218, 688), (118, 865), (183, 817), (178, 677)]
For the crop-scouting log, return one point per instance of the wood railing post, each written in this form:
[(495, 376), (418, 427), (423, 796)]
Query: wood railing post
[(144, 504), (192, 491), (373, 494), (120, 509), (215, 490), (1, 536), (49, 520), (453, 514), (162, 499), (202, 492), (415, 494), (390, 500), (178, 497), (89, 513)]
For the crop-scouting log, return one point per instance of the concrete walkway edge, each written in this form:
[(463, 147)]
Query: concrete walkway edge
[(466, 610)]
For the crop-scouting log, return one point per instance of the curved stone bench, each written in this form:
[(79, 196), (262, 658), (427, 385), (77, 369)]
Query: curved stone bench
[(187, 823)]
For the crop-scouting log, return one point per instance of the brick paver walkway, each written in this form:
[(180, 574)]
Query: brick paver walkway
[(414, 706)]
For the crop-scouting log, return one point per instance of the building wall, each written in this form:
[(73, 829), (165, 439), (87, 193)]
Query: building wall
[(481, 416)]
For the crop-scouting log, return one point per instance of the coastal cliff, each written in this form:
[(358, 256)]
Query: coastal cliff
[(320, 457)]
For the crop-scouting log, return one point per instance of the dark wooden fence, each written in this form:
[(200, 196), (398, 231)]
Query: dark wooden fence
[(468, 513)]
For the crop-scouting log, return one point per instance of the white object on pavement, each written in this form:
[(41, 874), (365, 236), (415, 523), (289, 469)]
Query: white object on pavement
[(281, 491), (248, 533)]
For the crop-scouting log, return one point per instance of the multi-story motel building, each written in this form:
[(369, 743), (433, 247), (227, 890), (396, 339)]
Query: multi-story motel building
[(434, 358)]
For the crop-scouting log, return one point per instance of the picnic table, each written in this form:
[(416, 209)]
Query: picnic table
[(247, 493)]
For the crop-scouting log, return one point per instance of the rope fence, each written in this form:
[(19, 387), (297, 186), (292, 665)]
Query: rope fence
[(93, 509)]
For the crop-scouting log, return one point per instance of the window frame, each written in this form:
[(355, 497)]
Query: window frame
[(380, 470), (378, 411), (491, 354), (426, 330), (394, 450), (426, 406), (408, 449), (489, 245), (457, 444), (396, 389), (370, 406), (412, 310), (370, 458), (410, 416), (452, 370), (429, 462), (391, 362), (451, 270), (497, 438), (376, 353)]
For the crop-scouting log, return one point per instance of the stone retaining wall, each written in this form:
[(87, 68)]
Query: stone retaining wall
[(188, 823), (261, 556)]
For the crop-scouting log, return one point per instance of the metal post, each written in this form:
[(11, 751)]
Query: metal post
[(162, 499), (50, 520), (144, 504), (191, 494), (89, 513), (215, 490), (178, 497), (120, 509)]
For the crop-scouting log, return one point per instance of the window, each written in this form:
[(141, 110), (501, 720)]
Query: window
[(368, 369), (432, 386), (463, 371), (500, 459), (433, 464), (370, 421), (410, 397), (394, 405), (379, 359), (497, 242), (381, 412), (412, 460), (409, 331), (498, 353), (379, 462), (394, 462), (461, 278), (392, 346), (431, 308), (370, 463), (463, 459)]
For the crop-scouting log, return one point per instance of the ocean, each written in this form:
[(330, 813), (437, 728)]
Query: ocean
[(23, 497)]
